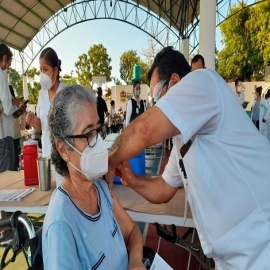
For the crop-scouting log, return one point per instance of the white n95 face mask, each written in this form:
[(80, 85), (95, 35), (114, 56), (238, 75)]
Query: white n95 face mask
[(94, 160), (157, 90), (46, 82)]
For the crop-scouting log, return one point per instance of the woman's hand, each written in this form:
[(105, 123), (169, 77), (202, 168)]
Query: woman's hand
[(30, 118)]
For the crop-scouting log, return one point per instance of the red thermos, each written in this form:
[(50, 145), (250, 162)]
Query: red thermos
[(30, 155)]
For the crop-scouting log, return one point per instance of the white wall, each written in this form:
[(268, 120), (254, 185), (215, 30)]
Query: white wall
[(121, 101), (250, 90)]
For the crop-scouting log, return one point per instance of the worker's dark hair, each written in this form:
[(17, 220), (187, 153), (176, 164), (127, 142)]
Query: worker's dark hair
[(237, 81), (135, 83), (167, 62), (5, 50), (51, 58), (196, 58), (259, 90)]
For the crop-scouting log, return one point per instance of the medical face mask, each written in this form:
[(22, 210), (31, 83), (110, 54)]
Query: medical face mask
[(46, 82), (137, 92), (94, 160), (255, 96), (157, 90)]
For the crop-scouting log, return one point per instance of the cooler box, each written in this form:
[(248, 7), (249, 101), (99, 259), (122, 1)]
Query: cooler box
[(138, 164), (30, 155)]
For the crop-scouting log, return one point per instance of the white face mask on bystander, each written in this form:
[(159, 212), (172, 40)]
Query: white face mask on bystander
[(46, 82)]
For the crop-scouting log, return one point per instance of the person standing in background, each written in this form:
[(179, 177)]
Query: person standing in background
[(9, 105), (239, 92), (267, 97), (102, 108), (17, 132), (112, 116), (50, 67), (135, 105), (260, 112), (197, 62)]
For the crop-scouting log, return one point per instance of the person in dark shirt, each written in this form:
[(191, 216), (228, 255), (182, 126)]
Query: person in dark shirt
[(101, 106)]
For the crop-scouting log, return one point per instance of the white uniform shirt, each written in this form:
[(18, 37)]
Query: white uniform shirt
[(129, 109), (227, 166), (264, 107), (43, 107), (268, 123), (241, 97), (6, 121)]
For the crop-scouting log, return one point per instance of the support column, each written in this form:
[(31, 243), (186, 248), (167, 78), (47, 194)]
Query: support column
[(207, 37), (25, 88), (186, 48)]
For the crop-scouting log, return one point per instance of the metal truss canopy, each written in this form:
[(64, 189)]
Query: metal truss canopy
[(29, 25), (21, 20)]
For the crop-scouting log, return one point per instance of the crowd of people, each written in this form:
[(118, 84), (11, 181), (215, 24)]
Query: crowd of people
[(218, 155), (260, 109)]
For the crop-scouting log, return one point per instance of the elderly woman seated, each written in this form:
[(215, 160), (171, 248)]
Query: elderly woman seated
[(85, 227)]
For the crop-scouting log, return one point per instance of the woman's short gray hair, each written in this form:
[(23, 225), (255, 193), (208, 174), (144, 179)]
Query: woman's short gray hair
[(62, 119)]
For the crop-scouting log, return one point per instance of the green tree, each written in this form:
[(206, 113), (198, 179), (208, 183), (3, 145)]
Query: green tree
[(32, 85), (261, 30), (144, 70), (246, 39), (127, 60), (100, 61), (95, 63), (116, 81), (68, 80), (83, 69), (15, 80)]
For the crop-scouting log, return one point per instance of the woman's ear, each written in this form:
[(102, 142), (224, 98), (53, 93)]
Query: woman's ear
[(175, 79), (62, 149)]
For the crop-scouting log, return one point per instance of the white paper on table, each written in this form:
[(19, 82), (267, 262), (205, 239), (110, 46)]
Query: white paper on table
[(159, 264), (15, 194)]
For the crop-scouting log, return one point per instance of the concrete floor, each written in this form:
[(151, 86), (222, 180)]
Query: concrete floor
[(19, 264)]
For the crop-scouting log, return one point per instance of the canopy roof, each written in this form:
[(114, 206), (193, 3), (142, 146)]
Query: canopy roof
[(21, 20)]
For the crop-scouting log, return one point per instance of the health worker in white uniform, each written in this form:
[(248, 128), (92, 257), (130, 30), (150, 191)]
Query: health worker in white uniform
[(260, 113), (50, 67), (228, 192), (267, 97)]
